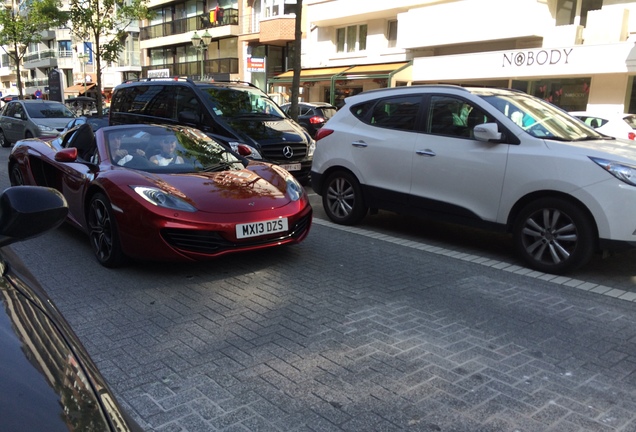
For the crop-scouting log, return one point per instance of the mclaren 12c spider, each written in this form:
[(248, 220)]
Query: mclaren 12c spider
[(164, 193)]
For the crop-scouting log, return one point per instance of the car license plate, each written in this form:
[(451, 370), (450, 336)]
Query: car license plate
[(255, 229), (291, 167)]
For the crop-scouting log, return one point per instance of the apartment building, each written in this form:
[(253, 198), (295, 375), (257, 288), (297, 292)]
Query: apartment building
[(580, 54), (577, 53), (226, 39)]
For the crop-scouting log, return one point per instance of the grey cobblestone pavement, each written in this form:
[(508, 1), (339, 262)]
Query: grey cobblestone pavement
[(346, 332)]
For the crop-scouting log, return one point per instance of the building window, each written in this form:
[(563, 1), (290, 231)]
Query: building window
[(271, 8), (392, 33), (566, 11), (351, 38)]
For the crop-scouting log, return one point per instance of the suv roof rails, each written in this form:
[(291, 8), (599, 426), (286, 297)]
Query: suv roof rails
[(230, 82), (173, 78), (187, 79)]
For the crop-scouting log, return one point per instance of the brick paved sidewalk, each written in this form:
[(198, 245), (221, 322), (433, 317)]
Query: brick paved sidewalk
[(345, 333)]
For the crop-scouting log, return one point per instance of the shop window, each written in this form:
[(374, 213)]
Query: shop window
[(569, 94), (352, 38)]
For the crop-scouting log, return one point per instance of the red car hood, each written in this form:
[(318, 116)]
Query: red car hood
[(227, 191)]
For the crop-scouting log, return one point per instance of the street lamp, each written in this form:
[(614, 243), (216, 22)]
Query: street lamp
[(201, 44), (83, 57)]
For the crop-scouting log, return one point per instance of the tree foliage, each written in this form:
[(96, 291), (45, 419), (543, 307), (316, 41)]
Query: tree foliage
[(18, 29), (105, 24)]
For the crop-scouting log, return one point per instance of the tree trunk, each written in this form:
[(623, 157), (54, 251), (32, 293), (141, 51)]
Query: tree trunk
[(293, 109)]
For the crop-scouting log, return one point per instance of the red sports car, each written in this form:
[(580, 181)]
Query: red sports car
[(159, 192)]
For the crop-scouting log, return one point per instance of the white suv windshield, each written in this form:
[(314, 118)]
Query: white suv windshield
[(538, 117), (236, 102)]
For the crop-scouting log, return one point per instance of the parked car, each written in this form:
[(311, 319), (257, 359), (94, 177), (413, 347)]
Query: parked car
[(94, 122), (232, 113), (616, 125), (199, 202), (47, 380), (494, 158), (82, 105), (312, 115), (32, 118)]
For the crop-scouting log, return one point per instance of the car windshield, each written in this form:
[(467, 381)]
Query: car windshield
[(235, 102), (48, 110), (169, 150), (538, 117)]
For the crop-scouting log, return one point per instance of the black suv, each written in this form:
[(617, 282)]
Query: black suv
[(233, 113), (312, 115)]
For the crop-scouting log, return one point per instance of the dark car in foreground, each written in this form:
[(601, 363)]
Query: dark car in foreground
[(312, 115), (164, 193), (47, 380)]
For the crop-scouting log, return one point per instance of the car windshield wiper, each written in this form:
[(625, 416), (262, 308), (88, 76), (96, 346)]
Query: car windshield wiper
[(257, 115), (595, 138)]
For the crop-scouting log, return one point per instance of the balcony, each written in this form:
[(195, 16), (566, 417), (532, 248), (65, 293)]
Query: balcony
[(37, 82), (185, 25), (193, 68), (277, 30), (41, 59)]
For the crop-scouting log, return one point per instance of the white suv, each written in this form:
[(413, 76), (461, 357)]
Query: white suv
[(494, 158)]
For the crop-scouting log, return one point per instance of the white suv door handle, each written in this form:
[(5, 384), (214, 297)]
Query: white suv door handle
[(359, 144), (425, 152)]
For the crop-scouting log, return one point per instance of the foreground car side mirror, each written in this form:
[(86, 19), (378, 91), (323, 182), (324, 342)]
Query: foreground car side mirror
[(28, 211), (488, 132)]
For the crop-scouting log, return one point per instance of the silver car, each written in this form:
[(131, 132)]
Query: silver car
[(31, 118)]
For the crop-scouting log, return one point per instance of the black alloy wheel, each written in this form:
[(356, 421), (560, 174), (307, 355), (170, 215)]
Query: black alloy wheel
[(102, 231), (554, 236), (342, 199), (15, 175)]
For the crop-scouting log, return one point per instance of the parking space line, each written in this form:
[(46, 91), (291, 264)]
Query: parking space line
[(487, 262)]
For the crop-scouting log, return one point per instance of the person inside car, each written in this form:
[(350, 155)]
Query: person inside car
[(167, 155), (121, 156)]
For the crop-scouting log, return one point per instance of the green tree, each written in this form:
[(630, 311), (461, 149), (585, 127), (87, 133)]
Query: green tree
[(104, 23), (18, 29)]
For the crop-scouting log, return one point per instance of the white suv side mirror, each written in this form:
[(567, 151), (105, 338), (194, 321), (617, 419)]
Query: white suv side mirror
[(488, 132)]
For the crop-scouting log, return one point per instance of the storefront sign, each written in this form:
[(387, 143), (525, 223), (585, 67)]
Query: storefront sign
[(255, 64), (159, 73), (536, 57)]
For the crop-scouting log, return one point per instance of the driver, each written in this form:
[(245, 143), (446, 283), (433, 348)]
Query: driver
[(120, 156)]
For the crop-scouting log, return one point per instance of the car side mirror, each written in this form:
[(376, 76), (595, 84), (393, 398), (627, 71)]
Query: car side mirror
[(488, 132), (28, 211), (66, 155), (18, 116)]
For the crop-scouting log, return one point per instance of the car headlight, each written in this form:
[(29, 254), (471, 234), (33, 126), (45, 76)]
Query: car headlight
[(623, 172), (45, 128), (161, 198), (294, 189), (255, 154), (311, 149)]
